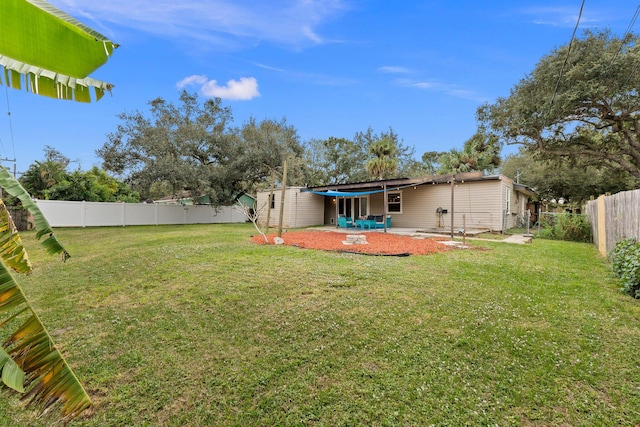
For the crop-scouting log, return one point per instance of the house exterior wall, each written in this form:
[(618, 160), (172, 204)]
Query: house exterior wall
[(306, 209), (330, 211), (480, 202), (490, 203), (300, 209), (476, 203)]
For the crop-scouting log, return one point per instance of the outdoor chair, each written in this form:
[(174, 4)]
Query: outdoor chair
[(345, 221)]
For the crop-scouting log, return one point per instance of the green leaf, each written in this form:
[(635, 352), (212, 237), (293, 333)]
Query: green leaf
[(11, 248), (50, 384), (13, 187), (12, 375), (49, 52)]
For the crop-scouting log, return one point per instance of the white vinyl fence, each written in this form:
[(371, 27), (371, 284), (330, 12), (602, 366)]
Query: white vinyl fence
[(99, 214)]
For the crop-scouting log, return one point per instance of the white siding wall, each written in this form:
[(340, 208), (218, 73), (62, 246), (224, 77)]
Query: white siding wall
[(510, 216), (480, 201), (300, 209), (307, 209)]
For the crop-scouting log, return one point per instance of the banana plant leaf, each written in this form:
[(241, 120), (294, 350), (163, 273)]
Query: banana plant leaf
[(11, 249), (49, 53), (13, 187), (12, 375), (29, 358), (51, 386)]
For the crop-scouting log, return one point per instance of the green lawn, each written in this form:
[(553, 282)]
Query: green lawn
[(196, 326)]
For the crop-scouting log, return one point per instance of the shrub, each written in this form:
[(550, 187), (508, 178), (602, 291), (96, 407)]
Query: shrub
[(625, 263), (566, 226)]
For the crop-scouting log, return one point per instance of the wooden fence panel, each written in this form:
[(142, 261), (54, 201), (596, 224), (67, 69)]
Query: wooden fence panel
[(614, 218)]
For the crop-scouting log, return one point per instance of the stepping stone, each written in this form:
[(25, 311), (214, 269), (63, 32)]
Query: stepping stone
[(355, 239)]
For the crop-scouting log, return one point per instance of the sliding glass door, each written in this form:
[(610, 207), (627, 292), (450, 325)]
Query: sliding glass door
[(353, 207)]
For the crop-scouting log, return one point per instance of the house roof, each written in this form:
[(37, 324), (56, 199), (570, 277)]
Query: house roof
[(399, 182), (521, 188), (370, 187)]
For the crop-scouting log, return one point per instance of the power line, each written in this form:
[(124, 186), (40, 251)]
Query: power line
[(635, 67), (626, 34), (566, 59), (6, 159), (13, 145)]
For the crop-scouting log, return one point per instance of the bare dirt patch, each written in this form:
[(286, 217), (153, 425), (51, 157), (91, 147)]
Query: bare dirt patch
[(377, 243)]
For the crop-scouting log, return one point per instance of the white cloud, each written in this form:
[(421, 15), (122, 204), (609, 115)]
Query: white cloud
[(448, 89), (244, 89), (192, 80), (394, 70), (269, 67), (558, 16), (222, 23)]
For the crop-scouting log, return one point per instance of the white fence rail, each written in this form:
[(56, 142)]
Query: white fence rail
[(99, 214)]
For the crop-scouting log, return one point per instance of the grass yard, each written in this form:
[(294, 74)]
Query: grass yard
[(196, 326)]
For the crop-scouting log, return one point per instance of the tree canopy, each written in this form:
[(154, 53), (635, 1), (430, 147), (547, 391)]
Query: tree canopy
[(580, 103), (335, 160), (384, 162), (339, 160), (50, 179), (481, 152), (557, 178), (193, 147)]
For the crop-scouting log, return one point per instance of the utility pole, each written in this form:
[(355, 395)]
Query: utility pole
[(386, 207), (14, 164)]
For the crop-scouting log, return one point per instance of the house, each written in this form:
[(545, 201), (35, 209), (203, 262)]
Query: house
[(428, 203), (184, 198)]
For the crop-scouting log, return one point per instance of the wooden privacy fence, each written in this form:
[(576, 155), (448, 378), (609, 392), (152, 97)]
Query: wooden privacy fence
[(614, 218)]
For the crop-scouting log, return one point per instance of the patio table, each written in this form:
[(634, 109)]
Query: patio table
[(362, 223)]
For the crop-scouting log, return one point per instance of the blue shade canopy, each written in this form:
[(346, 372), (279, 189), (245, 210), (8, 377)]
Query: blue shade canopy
[(332, 193)]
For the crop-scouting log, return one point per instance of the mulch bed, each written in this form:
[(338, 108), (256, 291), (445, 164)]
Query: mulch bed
[(377, 243)]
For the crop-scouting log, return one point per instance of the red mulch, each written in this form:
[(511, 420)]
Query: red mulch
[(378, 243)]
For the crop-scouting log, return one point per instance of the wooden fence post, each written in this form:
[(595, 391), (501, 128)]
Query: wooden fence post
[(602, 226)]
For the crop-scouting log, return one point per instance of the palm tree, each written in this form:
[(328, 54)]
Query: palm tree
[(53, 61), (480, 153), (384, 163)]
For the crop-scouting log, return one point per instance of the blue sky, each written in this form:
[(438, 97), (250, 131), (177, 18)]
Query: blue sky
[(330, 67)]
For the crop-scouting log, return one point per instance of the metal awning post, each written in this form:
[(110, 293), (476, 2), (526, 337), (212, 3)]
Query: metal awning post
[(337, 211), (453, 185), (385, 204)]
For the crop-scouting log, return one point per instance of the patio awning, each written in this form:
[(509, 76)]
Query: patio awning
[(332, 193)]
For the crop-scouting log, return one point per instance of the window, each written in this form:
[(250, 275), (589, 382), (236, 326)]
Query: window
[(507, 199), (273, 201), (394, 202), (364, 210)]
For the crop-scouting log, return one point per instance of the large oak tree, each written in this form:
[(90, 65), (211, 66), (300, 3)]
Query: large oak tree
[(580, 102), (193, 147), (559, 178)]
